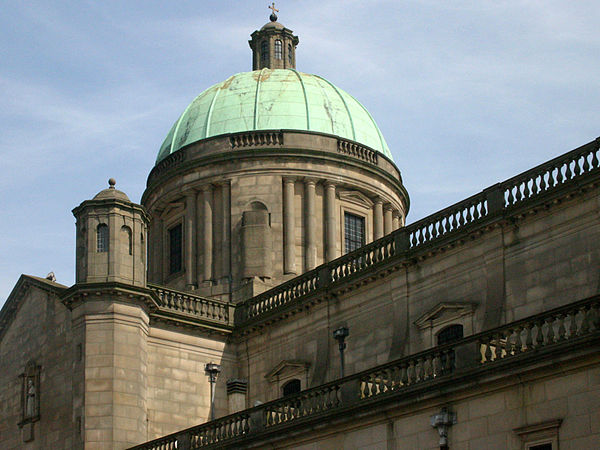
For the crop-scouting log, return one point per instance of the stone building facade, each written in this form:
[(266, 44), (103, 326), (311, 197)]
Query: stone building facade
[(274, 220)]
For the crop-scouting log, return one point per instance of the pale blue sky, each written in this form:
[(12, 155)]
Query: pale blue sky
[(467, 93)]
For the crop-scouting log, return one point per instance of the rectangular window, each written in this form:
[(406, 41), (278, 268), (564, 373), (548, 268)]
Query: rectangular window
[(175, 248), (354, 232)]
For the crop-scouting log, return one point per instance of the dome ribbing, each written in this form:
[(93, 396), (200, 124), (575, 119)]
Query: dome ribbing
[(274, 99)]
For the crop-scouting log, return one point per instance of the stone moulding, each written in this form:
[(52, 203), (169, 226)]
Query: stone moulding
[(162, 304), (273, 141), (529, 346)]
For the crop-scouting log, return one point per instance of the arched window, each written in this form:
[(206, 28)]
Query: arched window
[(102, 238), (127, 239), (289, 54), (264, 52), (278, 49), (291, 387), (450, 334)]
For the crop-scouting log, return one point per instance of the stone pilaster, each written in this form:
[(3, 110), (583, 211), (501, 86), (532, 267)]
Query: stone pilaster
[(190, 240), (395, 219), (289, 227), (310, 261), (225, 231), (330, 221), (207, 233), (377, 219), (387, 219)]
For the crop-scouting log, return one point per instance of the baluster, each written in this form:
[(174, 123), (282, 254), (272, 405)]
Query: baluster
[(459, 219), (543, 184), (451, 222), (539, 340), (410, 372), (526, 189), (585, 325), (403, 375), (427, 234), (528, 336), (568, 170), (550, 333), (576, 168), (488, 351), (586, 163), (510, 199), (560, 177), (449, 361), (437, 365), (595, 162), (518, 341), (573, 325), (420, 369), (596, 316), (468, 215)]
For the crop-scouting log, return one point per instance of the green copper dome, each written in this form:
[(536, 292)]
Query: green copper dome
[(274, 99)]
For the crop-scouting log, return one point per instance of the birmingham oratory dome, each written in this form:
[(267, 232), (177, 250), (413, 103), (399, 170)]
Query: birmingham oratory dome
[(266, 175)]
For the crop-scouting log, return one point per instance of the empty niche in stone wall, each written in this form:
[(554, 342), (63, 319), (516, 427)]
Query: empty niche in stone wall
[(257, 241), (126, 240)]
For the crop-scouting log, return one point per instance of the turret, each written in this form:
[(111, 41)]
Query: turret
[(273, 46), (111, 239)]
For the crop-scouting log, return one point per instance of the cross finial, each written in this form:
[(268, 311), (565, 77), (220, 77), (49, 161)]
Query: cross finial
[(273, 16)]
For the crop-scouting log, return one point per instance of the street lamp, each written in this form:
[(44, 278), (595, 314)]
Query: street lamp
[(212, 370), (340, 335)]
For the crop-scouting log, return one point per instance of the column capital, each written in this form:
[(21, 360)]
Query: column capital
[(310, 181), (206, 188), (378, 201), (388, 207), (288, 179), (395, 213)]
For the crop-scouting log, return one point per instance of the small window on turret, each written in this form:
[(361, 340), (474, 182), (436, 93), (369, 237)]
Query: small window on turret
[(264, 52), (278, 49), (102, 238), (289, 54)]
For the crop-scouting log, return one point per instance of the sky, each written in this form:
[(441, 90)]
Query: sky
[(466, 93)]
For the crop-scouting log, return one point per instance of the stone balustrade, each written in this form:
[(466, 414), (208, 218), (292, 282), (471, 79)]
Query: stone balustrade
[(522, 342), (256, 138), (357, 151), (553, 177), (196, 306), (552, 174)]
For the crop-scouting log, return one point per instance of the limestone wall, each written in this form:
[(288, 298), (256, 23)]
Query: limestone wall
[(40, 332), (486, 419), (527, 265), (178, 392)]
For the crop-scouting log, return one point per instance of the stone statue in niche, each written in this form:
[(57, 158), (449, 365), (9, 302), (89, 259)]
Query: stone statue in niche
[(30, 394), (30, 400)]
